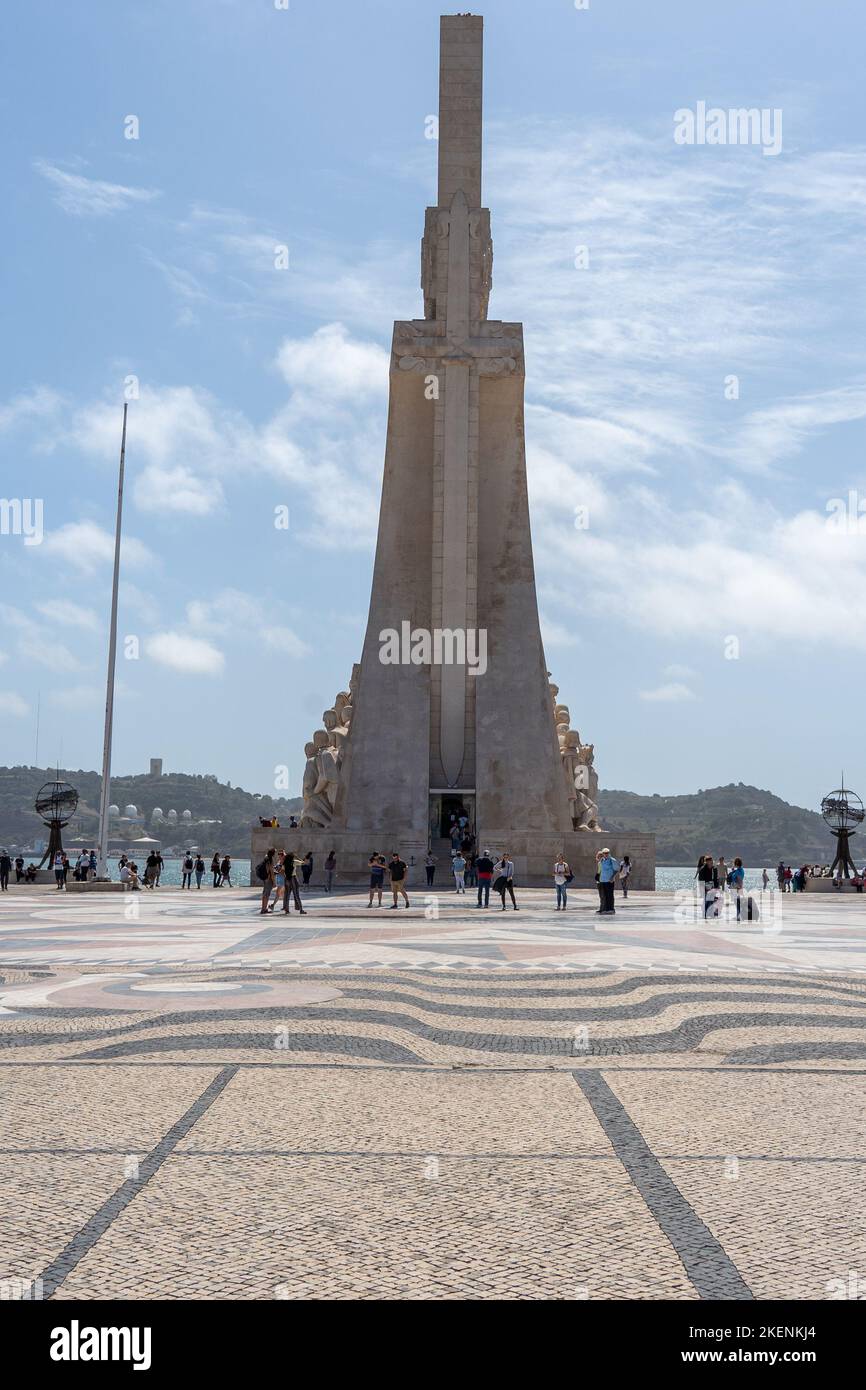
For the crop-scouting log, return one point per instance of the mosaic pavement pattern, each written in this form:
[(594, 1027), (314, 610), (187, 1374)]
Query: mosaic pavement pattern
[(277, 1133), (814, 932)]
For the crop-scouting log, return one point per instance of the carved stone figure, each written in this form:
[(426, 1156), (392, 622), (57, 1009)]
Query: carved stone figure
[(317, 809), (581, 778)]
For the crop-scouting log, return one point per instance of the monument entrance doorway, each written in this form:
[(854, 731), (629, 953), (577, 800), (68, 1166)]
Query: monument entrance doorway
[(447, 803)]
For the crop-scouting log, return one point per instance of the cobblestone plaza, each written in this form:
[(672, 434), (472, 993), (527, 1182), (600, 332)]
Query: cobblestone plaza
[(198, 1104)]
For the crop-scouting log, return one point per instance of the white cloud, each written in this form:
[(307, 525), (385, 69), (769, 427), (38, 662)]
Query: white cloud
[(12, 704), (38, 404), (43, 649), (80, 697), (675, 672), (85, 197), (64, 613), (239, 614), (331, 364), (192, 655), (555, 634), (172, 490), (86, 545), (668, 694)]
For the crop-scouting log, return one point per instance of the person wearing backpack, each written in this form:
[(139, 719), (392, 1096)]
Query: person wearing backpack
[(267, 878), (561, 877), (215, 869), (226, 871), (200, 867), (187, 870)]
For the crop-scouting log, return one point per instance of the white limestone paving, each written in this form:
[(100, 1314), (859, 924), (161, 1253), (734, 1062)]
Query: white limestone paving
[(442, 930)]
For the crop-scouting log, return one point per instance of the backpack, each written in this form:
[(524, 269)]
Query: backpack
[(262, 871)]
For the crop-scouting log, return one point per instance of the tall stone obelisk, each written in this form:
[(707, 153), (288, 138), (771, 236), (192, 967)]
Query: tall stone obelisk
[(454, 550), (472, 719)]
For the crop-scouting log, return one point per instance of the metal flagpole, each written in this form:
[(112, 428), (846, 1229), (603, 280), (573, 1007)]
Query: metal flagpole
[(102, 866)]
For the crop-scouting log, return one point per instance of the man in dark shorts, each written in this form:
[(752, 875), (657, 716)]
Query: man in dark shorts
[(377, 876), (397, 869)]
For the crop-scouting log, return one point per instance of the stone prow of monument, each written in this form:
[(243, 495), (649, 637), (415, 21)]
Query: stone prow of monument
[(451, 705)]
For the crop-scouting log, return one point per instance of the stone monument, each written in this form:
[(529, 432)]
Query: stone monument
[(450, 706)]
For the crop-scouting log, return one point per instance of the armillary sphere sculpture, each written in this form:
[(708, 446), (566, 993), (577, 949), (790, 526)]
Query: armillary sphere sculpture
[(843, 812), (56, 803)]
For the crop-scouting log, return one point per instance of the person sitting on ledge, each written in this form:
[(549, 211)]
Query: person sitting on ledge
[(129, 877), (30, 873)]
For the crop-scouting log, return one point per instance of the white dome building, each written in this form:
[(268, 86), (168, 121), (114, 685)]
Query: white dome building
[(172, 816), (186, 815), (156, 815), (113, 810), (130, 812)]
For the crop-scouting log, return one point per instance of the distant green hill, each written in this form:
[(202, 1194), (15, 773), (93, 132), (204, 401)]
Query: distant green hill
[(205, 797), (736, 819), (723, 820)]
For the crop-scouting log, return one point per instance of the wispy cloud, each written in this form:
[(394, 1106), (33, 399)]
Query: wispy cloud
[(671, 694), (12, 705), (83, 197)]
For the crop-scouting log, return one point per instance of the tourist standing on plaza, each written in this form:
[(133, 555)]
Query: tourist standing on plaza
[(376, 864), (561, 874), (458, 869), (780, 875), (471, 876), (215, 870), (187, 866), (430, 867), (160, 865), (504, 880), (709, 880), (738, 878), (608, 868), (265, 873), (150, 868), (58, 869), (625, 874), (200, 869), (307, 867), (292, 885), (722, 876), (330, 868), (397, 868), (765, 879), (19, 867), (226, 871), (484, 872), (5, 870), (279, 879)]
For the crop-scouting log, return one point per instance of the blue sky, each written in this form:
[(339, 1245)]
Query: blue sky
[(259, 387)]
